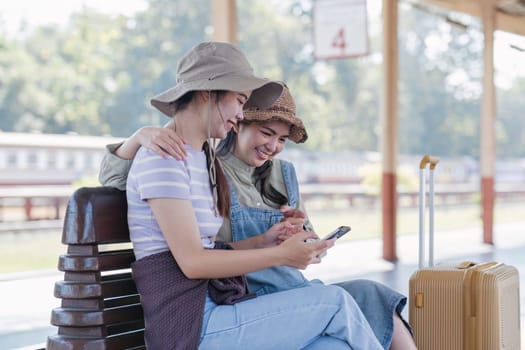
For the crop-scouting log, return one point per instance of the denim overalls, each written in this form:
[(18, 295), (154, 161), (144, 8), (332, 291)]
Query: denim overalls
[(249, 221), (378, 302)]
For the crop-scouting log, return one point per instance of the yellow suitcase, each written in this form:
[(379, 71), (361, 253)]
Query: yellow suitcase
[(464, 306)]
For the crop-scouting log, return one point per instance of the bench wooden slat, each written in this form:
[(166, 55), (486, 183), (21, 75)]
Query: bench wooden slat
[(104, 262), (102, 331), (129, 340), (90, 304), (122, 300), (86, 318), (100, 304), (122, 284)]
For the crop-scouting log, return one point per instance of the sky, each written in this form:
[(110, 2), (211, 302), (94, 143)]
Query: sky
[(509, 62)]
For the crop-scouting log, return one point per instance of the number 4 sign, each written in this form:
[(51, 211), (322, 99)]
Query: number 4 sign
[(340, 28)]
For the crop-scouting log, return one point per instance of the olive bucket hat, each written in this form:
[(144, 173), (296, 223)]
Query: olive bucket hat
[(283, 109), (217, 66)]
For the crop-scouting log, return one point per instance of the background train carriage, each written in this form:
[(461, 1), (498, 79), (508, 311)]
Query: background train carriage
[(49, 159)]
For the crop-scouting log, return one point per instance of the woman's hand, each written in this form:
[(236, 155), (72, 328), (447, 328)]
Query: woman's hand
[(294, 216), (299, 254), (163, 141), (278, 233)]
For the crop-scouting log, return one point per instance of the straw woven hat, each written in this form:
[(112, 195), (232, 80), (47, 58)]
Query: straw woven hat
[(283, 109), (217, 66)]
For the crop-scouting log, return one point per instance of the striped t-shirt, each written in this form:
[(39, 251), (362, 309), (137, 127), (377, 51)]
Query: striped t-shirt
[(152, 176)]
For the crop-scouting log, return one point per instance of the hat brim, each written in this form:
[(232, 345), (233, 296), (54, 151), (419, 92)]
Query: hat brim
[(264, 92), (298, 132)]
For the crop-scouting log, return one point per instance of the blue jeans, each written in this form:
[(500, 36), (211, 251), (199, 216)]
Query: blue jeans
[(378, 303), (314, 317)]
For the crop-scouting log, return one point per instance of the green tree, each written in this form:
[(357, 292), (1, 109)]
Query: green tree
[(436, 115), (154, 41), (510, 124), (97, 75), (56, 80)]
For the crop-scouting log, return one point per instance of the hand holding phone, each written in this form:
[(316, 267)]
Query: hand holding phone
[(337, 233)]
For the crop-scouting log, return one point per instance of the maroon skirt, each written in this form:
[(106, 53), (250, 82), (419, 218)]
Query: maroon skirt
[(174, 304)]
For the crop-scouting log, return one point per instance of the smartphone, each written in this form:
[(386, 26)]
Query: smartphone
[(337, 233)]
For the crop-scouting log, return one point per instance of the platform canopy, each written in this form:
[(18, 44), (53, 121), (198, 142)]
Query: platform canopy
[(510, 14)]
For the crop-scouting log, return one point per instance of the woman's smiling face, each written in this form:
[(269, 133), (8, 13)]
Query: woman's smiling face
[(258, 142)]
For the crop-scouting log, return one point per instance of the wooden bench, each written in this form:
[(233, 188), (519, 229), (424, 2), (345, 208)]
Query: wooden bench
[(100, 307)]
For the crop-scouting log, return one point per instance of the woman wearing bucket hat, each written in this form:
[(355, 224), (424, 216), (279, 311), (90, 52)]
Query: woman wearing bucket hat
[(192, 287), (260, 184)]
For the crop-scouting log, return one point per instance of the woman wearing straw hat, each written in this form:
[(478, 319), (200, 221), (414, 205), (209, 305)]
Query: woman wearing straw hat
[(260, 184), (192, 287)]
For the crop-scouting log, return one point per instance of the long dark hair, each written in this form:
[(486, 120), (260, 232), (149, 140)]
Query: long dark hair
[(223, 192), (270, 195)]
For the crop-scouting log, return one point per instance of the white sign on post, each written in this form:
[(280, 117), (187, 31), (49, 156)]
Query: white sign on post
[(340, 28)]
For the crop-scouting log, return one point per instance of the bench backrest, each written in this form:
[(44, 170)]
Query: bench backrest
[(100, 306)]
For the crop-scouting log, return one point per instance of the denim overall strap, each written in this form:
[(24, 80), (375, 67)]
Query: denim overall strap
[(247, 222), (290, 180)]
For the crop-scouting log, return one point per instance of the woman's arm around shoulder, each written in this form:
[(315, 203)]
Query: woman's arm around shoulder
[(113, 169), (118, 158)]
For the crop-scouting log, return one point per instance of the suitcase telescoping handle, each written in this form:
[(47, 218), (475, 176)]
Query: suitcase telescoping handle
[(432, 162)]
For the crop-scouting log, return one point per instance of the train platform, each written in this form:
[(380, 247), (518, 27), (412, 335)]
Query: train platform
[(25, 226), (27, 299)]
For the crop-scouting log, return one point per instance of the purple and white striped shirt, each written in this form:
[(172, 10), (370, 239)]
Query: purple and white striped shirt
[(152, 176)]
